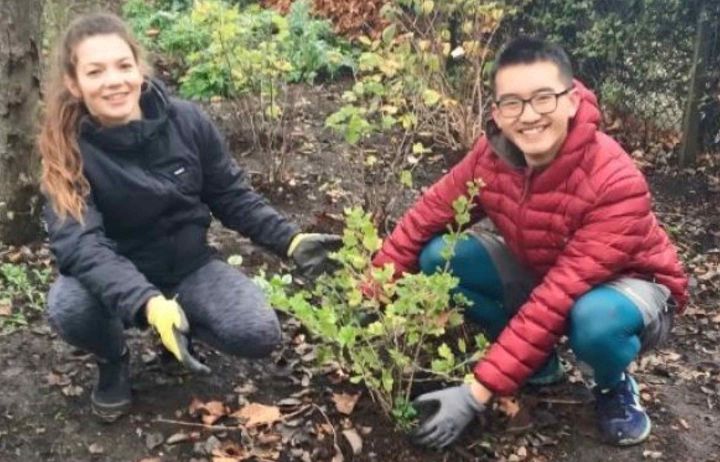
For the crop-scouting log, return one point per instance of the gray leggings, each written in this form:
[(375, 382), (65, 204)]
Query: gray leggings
[(224, 307)]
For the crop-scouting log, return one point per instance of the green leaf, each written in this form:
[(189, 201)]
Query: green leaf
[(462, 347), (388, 34), (431, 97), (445, 352), (427, 6), (418, 149), (406, 178), (346, 336)]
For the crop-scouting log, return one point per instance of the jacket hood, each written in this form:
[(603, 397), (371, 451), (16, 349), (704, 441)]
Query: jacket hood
[(155, 105), (581, 128)]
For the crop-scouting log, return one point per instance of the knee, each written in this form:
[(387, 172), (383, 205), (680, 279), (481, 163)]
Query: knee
[(257, 339), (431, 255), (597, 322), (67, 303)]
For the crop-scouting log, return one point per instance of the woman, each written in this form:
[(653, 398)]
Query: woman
[(132, 177)]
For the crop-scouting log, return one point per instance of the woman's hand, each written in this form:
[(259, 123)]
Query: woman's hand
[(310, 252), (169, 321)]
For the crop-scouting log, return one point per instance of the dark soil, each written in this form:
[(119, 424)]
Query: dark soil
[(45, 384)]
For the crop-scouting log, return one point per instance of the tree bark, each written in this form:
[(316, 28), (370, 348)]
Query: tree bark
[(20, 44)]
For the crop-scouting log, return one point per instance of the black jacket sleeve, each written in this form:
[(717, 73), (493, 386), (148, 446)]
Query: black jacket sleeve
[(231, 198), (84, 252)]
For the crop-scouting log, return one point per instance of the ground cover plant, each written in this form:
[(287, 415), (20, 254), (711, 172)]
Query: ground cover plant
[(22, 294)]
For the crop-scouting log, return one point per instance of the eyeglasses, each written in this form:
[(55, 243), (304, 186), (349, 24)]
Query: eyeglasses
[(542, 103)]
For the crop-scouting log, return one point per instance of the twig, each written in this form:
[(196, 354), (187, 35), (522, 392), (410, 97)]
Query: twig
[(302, 410), (335, 439), (198, 425)]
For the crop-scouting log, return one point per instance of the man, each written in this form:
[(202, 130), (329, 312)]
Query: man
[(581, 252)]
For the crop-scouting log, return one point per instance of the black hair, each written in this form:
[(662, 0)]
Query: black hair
[(529, 50)]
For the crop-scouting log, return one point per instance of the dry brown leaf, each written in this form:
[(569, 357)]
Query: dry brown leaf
[(354, 440), (345, 403), (509, 406), (72, 390), (255, 414), (5, 308), (209, 412)]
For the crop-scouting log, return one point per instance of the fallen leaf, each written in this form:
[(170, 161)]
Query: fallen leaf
[(72, 390), (345, 403), (684, 424), (96, 448), (338, 457), (354, 440), (255, 414), (508, 406), (60, 380), (5, 308), (210, 412), (177, 438)]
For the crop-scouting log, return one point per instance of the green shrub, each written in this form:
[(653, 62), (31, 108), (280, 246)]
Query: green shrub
[(386, 346), (422, 85), (223, 50)]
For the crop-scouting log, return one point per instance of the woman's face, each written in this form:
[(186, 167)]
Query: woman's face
[(108, 79)]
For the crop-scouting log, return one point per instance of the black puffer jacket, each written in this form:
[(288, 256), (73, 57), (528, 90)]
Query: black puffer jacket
[(154, 183)]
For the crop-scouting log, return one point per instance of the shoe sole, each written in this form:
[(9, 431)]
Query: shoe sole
[(634, 441), (110, 413)]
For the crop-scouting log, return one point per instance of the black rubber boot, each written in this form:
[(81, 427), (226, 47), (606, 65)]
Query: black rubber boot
[(111, 397)]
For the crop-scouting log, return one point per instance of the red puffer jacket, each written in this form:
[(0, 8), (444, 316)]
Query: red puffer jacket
[(583, 220)]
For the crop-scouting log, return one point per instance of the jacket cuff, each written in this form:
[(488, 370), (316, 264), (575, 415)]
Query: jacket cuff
[(495, 381), (133, 313)]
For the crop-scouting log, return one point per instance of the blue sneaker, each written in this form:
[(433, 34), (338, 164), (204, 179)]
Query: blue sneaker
[(551, 372), (621, 418)]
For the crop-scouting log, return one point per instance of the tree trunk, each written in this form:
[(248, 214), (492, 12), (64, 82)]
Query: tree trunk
[(20, 44)]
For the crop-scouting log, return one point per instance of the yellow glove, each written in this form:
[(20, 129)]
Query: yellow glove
[(168, 319)]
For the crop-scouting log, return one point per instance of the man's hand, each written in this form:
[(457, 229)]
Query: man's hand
[(310, 252), (169, 321), (456, 407)]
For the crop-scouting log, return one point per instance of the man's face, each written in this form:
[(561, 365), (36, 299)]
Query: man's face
[(539, 136)]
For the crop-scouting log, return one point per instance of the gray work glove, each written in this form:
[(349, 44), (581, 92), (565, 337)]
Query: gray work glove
[(456, 407), (310, 252)]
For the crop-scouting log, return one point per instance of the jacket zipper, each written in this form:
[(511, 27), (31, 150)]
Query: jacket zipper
[(527, 177)]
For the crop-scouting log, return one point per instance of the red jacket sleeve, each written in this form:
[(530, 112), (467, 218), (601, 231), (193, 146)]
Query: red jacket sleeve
[(428, 216), (611, 233)]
